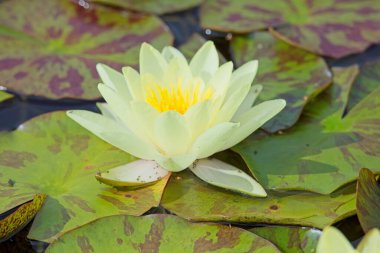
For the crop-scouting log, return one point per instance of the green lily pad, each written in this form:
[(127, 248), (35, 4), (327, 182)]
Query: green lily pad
[(284, 72), (158, 233), (333, 28), (20, 217), (51, 154), (324, 150), (290, 239), (152, 6), (367, 81), (53, 52), (191, 198), (368, 200), (5, 96)]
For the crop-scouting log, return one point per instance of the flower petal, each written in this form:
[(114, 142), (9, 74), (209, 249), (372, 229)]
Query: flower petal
[(172, 133), (248, 101), (170, 52), (177, 72), (198, 117), (105, 110), (134, 174), (212, 140), (151, 61), (224, 175), (114, 80), (220, 80), (133, 83), (254, 118), (370, 242), (205, 61), (333, 241), (111, 132), (177, 162)]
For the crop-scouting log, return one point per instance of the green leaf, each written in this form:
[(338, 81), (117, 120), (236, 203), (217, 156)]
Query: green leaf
[(325, 149), (53, 52), (368, 200), (333, 28), (191, 198), (5, 96), (152, 6), (158, 233), (284, 72), (20, 217), (218, 173), (290, 239), (53, 155)]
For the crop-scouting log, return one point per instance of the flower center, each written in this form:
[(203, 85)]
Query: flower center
[(176, 97)]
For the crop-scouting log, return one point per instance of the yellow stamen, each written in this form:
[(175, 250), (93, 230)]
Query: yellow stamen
[(176, 97)]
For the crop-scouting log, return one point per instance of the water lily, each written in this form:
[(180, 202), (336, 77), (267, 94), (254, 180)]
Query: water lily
[(174, 115), (333, 241)]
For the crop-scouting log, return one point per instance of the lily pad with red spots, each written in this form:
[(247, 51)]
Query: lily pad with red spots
[(284, 72), (152, 6), (192, 199), (368, 200), (326, 148), (53, 155), (50, 48), (158, 233), (333, 28), (20, 217)]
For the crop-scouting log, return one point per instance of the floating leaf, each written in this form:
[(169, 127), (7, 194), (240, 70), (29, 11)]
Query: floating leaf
[(285, 72), (333, 28), (324, 150), (367, 81), (218, 173), (20, 217), (158, 233), (368, 200), (152, 6), (290, 239), (52, 52), (51, 154), (190, 198), (4, 96)]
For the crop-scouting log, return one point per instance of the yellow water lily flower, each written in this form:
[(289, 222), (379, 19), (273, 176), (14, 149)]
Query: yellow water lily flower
[(174, 113), (333, 241)]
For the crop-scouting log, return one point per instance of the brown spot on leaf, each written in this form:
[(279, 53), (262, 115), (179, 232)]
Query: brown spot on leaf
[(16, 159), (128, 228), (79, 202), (84, 244), (273, 207), (10, 63), (69, 84), (80, 143), (152, 239), (227, 238), (114, 201), (119, 241)]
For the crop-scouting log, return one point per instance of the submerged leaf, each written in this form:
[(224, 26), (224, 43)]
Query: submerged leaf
[(20, 217), (333, 28), (368, 200), (53, 155), (158, 233), (224, 175), (53, 52), (325, 149)]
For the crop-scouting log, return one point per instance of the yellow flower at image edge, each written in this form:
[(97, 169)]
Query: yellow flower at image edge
[(173, 115)]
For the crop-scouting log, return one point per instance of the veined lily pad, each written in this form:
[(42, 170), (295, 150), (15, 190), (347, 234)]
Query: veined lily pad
[(152, 6), (53, 52), (325, 149), (290, 239), (368, 200), (51, 154), (158, 233), (284, 72), (333, 28), (138, 173), (190, 198), (4, 96), (19, 218)]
